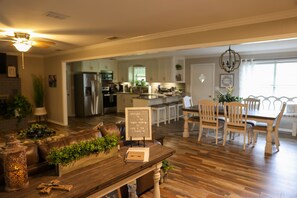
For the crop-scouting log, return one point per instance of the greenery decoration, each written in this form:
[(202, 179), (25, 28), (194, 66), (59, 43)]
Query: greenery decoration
[(38, 90), (36, 131), (166, 166), (71, 153), (228, 97), (19, 107), (178, 67)]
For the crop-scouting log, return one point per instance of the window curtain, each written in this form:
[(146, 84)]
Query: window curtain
[(246, 71)]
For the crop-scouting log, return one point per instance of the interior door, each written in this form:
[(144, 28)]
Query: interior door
[(202, 81)]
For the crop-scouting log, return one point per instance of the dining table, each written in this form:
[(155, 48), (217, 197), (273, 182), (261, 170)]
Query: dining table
[(265, 116)]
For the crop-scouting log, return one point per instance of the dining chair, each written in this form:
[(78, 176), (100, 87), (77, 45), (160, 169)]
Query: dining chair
[(194, 119), (253, 103), (236, 120), (209, 117), (262, 128)]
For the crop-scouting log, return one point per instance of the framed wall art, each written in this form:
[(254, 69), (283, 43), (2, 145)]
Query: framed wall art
[(11, 72), (52, 80), (226, 80)]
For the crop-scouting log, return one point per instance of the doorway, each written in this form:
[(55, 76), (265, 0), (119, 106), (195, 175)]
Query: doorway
[(202, 81)]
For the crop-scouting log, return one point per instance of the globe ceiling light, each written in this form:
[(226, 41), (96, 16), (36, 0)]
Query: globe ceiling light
[(230, 60)]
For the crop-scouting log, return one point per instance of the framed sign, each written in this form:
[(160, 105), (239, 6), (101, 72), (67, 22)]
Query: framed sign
[(138, 123), (226, 80), (11, 72)]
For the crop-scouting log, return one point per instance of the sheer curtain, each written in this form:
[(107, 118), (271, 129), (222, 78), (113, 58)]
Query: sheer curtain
[(245, 81), (269, 78)]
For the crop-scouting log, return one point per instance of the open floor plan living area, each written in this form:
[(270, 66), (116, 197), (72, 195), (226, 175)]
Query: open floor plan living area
[(148, 99)]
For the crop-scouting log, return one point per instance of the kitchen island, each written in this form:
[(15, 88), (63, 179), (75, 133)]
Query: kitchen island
[(148, 100)]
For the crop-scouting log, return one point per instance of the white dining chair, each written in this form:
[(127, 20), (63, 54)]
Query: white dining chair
[(193, 118)]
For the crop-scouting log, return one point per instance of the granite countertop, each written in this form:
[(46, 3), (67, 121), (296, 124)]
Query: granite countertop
[(153, 96)]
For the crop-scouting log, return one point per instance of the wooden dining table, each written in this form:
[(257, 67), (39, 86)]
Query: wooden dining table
[(266, 116)]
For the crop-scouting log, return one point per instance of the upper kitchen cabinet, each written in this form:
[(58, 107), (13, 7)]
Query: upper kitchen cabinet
[(125, 73), (172, 69), (151, 67), (110, 65), (164, 70), (90, 66)]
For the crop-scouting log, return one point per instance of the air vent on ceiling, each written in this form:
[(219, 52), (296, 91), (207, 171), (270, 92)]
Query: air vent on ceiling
[(56, 15), (111, 38)]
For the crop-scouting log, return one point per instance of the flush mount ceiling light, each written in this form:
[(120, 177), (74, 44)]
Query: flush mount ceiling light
[(229, 60)]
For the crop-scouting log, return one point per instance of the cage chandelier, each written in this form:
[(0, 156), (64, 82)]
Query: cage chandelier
[(230, 60)]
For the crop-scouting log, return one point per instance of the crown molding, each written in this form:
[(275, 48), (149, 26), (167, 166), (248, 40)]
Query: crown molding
[(220, 25)]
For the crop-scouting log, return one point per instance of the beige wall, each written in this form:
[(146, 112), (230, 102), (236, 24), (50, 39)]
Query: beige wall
[(33, 65), (56, 97)]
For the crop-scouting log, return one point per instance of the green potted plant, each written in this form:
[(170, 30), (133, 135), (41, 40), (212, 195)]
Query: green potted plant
[(19, 107), (38, 95), (165, 168)]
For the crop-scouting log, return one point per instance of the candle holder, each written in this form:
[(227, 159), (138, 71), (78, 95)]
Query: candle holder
[(15, 165)]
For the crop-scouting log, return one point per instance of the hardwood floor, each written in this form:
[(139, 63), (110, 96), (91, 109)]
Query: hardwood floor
[(209, 170)]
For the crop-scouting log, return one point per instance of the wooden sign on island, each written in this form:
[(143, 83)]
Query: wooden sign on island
[(138, 123)]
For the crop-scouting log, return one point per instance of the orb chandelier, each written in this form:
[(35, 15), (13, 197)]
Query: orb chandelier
[(229, 60)]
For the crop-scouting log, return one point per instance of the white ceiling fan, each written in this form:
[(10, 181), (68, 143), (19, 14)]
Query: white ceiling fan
[(22, 42)]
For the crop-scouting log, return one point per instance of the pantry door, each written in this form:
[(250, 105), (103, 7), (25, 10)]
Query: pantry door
[(202, 81)]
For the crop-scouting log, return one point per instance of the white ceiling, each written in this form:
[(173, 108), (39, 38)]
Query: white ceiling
[(90, 22)]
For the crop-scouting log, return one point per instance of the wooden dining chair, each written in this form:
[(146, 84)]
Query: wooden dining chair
[(253, 103), (236, 120), (193, 118), (209, 117), (262, 128)]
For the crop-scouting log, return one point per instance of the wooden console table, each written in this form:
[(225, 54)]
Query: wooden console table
[(99, 179)]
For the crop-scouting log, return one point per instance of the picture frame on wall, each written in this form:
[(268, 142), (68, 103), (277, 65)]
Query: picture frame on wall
[(11, 72), (226, 80)]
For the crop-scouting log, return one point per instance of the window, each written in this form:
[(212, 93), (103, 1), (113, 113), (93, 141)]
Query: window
[(139, 73), (270, 78)]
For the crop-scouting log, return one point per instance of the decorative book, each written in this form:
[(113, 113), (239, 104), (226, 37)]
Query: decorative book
[(137, 154)]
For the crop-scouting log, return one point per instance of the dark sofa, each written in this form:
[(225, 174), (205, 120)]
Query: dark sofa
[(37, 152)]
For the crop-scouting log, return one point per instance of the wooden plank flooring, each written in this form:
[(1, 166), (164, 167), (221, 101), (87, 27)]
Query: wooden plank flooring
[(209, 170)]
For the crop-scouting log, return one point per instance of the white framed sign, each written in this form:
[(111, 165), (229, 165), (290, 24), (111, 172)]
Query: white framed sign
[(138, 121)]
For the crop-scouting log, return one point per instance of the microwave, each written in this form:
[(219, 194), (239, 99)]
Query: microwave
[(106, 75)]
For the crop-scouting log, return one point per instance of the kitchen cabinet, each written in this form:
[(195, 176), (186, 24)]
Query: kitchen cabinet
[(125, 72), (90, 66), (151, 69), (169, 72), (125, 100), (164, 70)]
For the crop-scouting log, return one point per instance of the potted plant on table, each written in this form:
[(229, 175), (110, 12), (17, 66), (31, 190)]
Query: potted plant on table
[(38, 93)]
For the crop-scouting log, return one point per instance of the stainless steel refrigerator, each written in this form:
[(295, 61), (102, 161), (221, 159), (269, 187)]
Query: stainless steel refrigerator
[(88, 94)]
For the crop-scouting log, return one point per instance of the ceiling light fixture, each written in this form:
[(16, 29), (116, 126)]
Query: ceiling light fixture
[(22, 46), (229, 60)]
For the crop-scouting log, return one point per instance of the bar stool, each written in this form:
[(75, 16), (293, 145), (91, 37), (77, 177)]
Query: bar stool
[(179, 106), (171, 111), (161, 113)]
